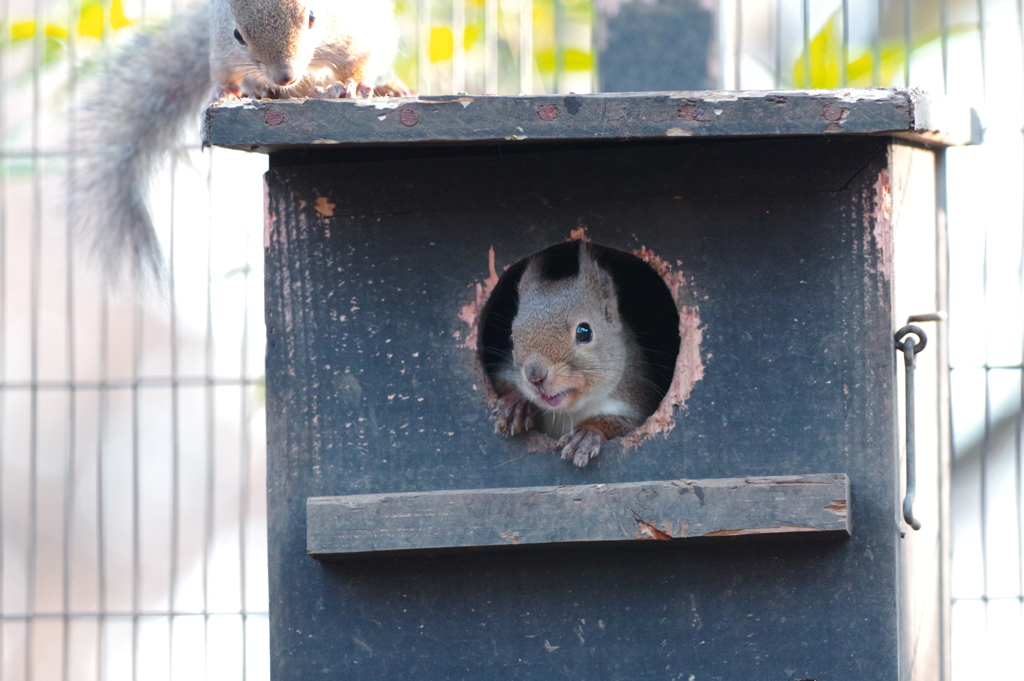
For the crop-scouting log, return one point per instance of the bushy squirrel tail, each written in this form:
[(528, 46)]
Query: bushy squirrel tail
[(140, 103)]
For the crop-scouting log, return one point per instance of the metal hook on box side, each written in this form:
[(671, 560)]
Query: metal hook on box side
[(906, 344)]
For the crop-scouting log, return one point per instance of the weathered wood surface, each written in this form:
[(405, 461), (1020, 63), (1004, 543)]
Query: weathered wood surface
[(369, 393), (665, 510), (269, 125)]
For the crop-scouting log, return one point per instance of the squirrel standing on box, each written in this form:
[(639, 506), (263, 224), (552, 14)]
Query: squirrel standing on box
[(577, 370), (150, 93)]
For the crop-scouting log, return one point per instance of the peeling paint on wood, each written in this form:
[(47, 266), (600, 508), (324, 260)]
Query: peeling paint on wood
[(882, 231), (324, 206)]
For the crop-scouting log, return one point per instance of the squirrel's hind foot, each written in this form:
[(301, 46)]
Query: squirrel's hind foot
[(513, 415)]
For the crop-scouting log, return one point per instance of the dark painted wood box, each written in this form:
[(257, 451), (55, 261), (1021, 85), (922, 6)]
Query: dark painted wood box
[(755, 535)]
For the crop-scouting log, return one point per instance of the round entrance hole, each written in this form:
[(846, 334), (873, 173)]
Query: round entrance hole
[(579, 341)]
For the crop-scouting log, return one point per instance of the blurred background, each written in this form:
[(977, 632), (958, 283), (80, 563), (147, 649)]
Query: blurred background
[(132, 514)]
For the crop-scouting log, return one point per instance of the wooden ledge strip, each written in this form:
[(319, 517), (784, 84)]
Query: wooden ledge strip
[(673, 510)]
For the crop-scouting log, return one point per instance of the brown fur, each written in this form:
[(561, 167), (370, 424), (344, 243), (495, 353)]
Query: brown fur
[(349, 42), (583, 393)]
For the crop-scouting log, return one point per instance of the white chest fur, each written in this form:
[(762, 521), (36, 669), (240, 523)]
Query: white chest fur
[(557, 424)]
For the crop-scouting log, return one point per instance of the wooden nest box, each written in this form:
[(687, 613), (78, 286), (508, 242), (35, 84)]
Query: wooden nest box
[(750, 530)]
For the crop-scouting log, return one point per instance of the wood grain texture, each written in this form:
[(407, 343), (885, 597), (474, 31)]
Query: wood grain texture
[(368, 392), (273, 125), (660, 510)]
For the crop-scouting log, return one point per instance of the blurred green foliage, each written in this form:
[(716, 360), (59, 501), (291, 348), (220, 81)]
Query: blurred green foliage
[(824, 53)]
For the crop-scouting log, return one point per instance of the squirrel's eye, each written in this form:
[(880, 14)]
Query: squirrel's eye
[(510, 337), (238, 37), (312, 19), (584, 334)]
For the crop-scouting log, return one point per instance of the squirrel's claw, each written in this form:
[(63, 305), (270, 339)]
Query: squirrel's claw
[(580, 446), (349, 89), (337, 90), (512, 416), (360, 90), (353, 89)]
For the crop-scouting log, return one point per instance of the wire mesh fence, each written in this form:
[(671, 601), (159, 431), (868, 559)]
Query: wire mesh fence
[(131, 422), (131, 445)]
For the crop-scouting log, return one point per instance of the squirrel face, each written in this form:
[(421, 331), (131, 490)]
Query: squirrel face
[(568, 344), (279, 36)]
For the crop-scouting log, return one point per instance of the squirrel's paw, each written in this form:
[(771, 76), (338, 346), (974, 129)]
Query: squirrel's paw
[(226, 98), (353, 89), (580, 446), (333, 91), (513, 415), (227, 91), (358, 90), (348, 89)]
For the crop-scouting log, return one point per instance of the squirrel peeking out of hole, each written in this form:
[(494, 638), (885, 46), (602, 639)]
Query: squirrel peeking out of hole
[(579, 341)]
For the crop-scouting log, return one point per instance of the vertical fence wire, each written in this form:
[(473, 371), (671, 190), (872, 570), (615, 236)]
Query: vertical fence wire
[(526, 47), (908, 41), (422, 45), (491, 46), (986, 443), (876, 44), (1019, 420), (738, 46), (35, 254), (777, 47), (4, 165), (71, 468), (136, 569), (942, 415), (103, 399), (244, 478), (211, 441), (102, 431), (70, 471), (944, 43), (844, 50), (982, 32), (805, 16), (175, 499), (458, 45)]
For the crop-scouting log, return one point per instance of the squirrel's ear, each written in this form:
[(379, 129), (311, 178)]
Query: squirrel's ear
[(596, 276), (589, 269), (531, 276)]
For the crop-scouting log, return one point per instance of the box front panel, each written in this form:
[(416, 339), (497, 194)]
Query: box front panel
[(372, 268)]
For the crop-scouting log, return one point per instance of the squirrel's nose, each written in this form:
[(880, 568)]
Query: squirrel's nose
[(284, 78), (535, 373)]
